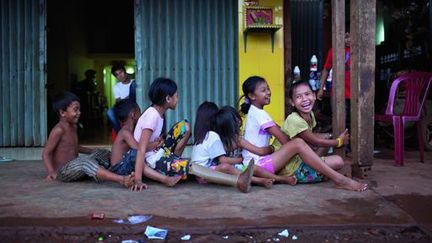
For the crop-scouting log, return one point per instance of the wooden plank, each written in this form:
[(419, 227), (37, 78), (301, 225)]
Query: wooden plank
[(287, 52), (363, 21), (338, 43)]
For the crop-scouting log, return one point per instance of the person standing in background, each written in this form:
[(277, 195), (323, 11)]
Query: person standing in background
[(325, 72), (125, 88)]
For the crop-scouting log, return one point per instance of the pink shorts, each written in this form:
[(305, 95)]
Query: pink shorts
[(267, 163)]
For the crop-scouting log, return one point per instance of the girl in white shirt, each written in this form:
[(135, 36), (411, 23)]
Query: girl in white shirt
[(227, 125), (208, 149)]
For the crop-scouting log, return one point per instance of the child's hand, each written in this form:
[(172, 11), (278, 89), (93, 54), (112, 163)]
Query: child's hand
[(139, 186), (345, 136), (156, 144), (51, 176)]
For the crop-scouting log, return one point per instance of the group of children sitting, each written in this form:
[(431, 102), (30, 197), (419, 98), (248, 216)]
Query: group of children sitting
[(220, 154)]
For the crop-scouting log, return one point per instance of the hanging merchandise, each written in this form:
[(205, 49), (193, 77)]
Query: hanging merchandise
[(314, 63), (313, 76), (296, 73)]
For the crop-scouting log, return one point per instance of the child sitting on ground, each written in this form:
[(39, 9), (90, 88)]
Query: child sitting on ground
[(166, 160), (300, 124), (302, 121), (208, 149), (227, 123), (260, 127), (124, 148), (60, 154)]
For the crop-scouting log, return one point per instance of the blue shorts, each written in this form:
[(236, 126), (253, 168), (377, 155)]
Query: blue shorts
[(126, 165), (305, 174)]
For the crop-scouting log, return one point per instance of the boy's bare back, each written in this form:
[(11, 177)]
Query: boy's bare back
[(62, 145), (123, 142)]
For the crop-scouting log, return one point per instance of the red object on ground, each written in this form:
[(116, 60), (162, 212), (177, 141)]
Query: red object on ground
[(97, 216)]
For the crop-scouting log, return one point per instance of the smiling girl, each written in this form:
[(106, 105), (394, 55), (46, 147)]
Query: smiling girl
[(260, 127)]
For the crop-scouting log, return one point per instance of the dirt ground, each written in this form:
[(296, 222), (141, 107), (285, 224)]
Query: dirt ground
[(395, 209), (394, 234)]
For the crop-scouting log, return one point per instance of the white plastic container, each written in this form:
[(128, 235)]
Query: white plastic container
[(314, 63), (296, 73)]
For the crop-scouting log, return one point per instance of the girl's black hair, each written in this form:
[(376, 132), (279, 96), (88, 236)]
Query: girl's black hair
[(296, 83), (249, 87), (62, 100), (123, 107), (227, 125), (204, 120), (160, 89)]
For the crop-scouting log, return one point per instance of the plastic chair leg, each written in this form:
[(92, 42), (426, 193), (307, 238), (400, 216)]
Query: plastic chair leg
[(398, 140), (420, 139)]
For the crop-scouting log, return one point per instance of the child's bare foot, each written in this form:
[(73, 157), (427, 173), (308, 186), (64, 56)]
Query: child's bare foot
[(171, 181), (291, 180), (265, 182), (245, 178), (352, 185), (128, 180)]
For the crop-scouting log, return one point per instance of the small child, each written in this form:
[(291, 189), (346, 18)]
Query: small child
[(166, 160), (124, 148), (227, 123), (60, 154), (301, 122), (208, 149), (260, 127)]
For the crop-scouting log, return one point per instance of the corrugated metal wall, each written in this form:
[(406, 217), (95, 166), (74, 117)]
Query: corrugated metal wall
[(22, 86), (307, 33), (194, 42)]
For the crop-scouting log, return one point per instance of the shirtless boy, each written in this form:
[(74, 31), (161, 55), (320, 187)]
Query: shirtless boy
[(60, 154)]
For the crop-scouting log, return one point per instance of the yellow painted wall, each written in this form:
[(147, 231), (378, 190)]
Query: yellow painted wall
[(259, 59)]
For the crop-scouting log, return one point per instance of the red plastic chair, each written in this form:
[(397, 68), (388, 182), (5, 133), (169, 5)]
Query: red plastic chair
[(415, 86)]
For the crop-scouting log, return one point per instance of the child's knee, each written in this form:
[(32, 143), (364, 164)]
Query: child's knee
[(224, 167), (187, 126), (336, 162), (339, 162), (90, 168), (183, 126), (299, 143)]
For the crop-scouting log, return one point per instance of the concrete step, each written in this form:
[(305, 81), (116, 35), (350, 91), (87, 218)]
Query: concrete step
[(35, 153)]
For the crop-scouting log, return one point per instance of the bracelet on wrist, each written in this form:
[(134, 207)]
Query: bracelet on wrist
[(272, 148), (340, 142)]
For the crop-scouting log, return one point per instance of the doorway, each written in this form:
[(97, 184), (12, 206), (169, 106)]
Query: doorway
[(88, 35)]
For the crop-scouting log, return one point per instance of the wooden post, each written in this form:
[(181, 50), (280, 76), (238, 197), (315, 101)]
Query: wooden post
[(338, 66), (363, 22), (287, 52)]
